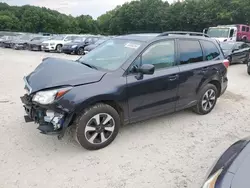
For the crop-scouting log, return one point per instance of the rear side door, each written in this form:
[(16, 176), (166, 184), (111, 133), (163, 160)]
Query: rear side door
[(154, 94), (195, 68)]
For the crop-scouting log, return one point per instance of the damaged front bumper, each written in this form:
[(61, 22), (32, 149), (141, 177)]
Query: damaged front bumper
[(50, 119)]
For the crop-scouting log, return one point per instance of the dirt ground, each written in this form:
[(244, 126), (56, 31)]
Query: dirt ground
[(173, 151)]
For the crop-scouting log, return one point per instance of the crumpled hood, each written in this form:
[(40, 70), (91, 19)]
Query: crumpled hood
[(54, 72)]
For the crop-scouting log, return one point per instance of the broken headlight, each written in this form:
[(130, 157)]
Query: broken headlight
[(49, 96)]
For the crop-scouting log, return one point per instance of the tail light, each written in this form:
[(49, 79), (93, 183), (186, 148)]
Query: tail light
[(226, 63)]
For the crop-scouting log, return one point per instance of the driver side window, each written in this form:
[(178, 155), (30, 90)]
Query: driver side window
[(160, 54)]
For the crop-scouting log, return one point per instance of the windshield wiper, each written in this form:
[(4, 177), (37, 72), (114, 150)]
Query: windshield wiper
[(88, 65)]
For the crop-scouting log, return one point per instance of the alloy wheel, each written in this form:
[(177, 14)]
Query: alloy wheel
[(208, 100), (99, 128)]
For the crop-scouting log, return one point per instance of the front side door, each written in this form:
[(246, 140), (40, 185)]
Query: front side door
[(240, 53), (195, 68), (154, 94)]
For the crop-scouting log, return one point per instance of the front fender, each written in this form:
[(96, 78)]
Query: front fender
[(81, 97)]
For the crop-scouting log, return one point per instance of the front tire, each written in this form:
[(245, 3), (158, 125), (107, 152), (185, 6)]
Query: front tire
[(97, 127), (59, 48), (80, 51), (207, 100), (248, 69)]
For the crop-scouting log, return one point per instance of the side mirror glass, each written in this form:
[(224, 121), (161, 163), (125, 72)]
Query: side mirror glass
[(146, 69)]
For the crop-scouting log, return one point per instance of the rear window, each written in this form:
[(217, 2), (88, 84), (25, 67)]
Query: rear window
[(210, 50), (190, 51)]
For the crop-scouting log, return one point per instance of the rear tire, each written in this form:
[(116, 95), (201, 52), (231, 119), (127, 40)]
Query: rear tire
[(97, 127), (207, 99)]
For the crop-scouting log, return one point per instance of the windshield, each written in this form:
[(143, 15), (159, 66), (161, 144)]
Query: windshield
[(226, 45), (218, 32), (79, 39), (101, 41), (111, 54), (25, 37), (37, 38), (60, 37)]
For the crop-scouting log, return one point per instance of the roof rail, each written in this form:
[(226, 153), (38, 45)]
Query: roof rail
[(183, 33)]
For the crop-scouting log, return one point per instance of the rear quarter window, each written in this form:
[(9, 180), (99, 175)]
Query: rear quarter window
[(190, 51), (210, 50)]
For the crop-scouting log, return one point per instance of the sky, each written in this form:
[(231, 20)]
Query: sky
[(94, 8)]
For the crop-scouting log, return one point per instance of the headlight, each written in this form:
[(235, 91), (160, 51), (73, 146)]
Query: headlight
[(48, 97), (210, 183), (74, 46), (52, 44)]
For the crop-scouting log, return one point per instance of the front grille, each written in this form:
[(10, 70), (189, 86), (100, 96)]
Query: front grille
[(45, 44)]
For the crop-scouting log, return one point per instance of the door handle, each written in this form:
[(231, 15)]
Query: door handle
[(173, 77)]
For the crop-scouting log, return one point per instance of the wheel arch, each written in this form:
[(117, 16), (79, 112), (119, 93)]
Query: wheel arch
[(109, 101), (214, 81)]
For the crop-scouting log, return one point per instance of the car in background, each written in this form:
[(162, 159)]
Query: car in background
[(36, 43), (9, 42), (248, 67), (232, 168), (4, 39), (90, 47), (57, 42), (236, 52), (21, 42), (127, 79), (78, 45)]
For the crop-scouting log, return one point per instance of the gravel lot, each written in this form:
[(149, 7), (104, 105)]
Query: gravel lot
[(166, 152)]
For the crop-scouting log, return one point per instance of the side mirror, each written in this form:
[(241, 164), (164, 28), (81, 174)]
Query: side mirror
[(146, 69)]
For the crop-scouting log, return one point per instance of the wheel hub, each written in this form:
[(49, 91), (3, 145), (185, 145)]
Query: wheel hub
[(99, 128)]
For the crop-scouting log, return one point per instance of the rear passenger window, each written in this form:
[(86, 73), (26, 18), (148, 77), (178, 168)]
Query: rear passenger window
[(210, 50), (243, 28), (190, 51), (247, 29)]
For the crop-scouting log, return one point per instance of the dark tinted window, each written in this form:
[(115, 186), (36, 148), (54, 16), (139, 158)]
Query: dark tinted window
[(190, 51), (210, 50), (160, 54), (247, 29), (243, 28)]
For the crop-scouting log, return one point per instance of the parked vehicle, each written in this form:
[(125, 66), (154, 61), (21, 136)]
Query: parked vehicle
[(236, 52), (21, 42), (232, 169), (223, 33), (9, 43), (36, 43), (90, 47), (4, 39), (57, 42), (77, 46), (127, 79), (248, 67)]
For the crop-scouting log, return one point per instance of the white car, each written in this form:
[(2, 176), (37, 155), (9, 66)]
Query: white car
[(57, 42)]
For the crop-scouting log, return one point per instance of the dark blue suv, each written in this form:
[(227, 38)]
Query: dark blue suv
[(124, 80)]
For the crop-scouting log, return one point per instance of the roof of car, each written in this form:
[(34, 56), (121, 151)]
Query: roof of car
[(139, 37), (145, 37)]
